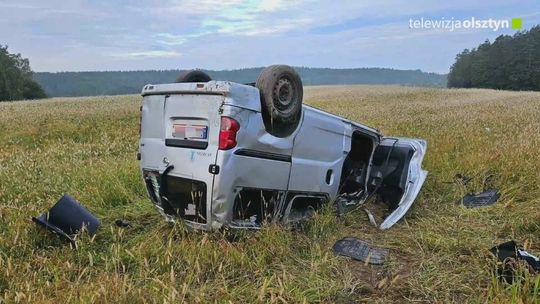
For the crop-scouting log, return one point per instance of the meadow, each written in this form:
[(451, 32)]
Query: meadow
[(87, 147)]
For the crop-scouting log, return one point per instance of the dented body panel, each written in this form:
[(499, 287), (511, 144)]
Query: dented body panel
[(263, 177)]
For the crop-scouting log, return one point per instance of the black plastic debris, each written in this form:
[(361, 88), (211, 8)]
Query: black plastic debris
[(122, 223), (360, 250), (481, 199), (67, 217), (512, 259)]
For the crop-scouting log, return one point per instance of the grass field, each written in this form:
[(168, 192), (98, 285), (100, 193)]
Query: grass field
[(87, 147)]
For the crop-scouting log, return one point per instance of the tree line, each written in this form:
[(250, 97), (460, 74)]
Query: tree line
[(509, 63), (131, 82), (16, 81)]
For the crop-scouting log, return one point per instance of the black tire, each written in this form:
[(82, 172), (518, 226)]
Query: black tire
[(281, 93), (193, 76)]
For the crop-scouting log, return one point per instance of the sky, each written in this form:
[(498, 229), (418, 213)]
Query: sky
[(91, 35)]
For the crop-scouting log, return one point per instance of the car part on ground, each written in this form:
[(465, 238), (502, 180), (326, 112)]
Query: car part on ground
[(462, 179), (481, 199), (281, 93), (122, 223), (193, 76), (360, 250), (513, 262), (67, 218), (370, 217)]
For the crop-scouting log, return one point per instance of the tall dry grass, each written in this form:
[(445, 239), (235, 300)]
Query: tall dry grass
[(87, 147)]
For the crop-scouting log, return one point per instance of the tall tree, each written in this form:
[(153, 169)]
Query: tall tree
[(16, 78), (460, 72)]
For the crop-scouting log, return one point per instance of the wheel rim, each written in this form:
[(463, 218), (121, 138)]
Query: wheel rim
[(283, 94)]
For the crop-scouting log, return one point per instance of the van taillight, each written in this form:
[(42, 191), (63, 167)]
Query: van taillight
[(227, 133)]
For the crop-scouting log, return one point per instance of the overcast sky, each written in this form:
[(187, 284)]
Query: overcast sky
[(83, 35)]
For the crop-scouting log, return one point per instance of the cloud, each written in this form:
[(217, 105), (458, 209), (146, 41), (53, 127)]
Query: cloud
[(274, 5), (17, 6), (196, 7), (137, 34), (147, 54), (171, 39)]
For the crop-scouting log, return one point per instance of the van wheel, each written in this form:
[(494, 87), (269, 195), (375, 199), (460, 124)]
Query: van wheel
[(281, 93), (193, 76)]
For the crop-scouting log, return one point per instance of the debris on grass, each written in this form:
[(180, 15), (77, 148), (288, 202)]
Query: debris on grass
[(360, 250), (481, 199), (371, 217), (67, 218), (122, 223), (514, 262), (462, 179)]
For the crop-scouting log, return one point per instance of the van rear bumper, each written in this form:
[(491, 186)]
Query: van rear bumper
[(233, 206), (178, 197)]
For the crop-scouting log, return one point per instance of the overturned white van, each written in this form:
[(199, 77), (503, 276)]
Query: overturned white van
[(222, 154)]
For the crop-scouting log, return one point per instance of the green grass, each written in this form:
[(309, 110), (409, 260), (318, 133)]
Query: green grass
[(87, 147)]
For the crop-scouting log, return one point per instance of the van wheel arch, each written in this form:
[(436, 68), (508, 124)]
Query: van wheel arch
[(193, 76)]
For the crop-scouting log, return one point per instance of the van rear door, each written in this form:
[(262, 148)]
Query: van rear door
[(179, 140)]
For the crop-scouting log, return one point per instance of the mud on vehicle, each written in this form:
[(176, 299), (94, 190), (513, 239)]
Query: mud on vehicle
[(222, 154)]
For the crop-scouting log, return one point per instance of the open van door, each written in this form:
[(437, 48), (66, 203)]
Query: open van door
[(397, 175)]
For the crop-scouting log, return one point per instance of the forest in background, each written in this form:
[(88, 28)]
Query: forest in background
[(509, 63), (131, 82)]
